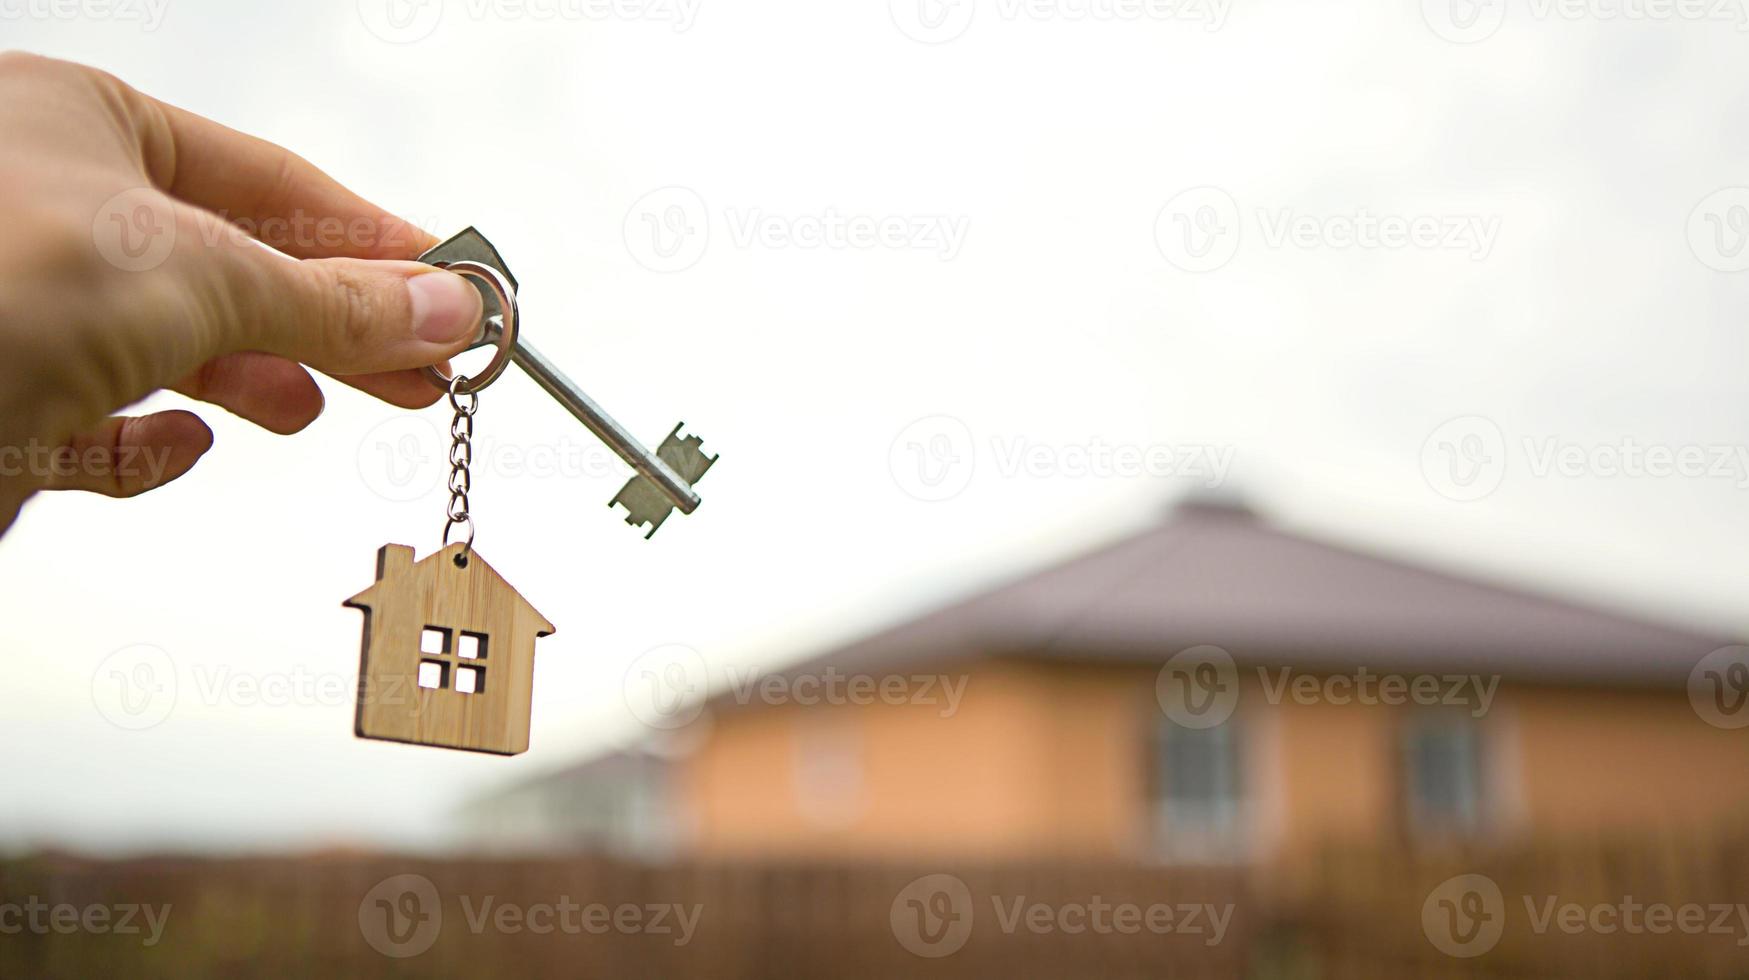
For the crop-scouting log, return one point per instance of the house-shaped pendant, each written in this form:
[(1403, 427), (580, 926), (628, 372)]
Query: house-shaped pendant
[(448, 653)]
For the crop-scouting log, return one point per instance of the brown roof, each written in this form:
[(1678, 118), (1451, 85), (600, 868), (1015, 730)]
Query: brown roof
[(1217, 574)]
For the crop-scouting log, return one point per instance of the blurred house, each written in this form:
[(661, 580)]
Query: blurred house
[(1353, 699)]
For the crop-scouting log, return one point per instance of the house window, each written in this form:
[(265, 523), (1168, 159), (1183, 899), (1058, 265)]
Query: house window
[(1442, 776), (433, 640), (470, 680), (1198, 791), (451, 660), (471, 646), (433, 674)]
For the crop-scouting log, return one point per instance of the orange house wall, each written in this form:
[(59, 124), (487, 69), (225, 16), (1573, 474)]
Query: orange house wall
[(1051, 760)]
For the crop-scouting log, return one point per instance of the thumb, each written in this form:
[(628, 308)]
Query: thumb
[(353, 316)]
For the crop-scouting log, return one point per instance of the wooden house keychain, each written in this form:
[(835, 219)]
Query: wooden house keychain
[(448, 652)]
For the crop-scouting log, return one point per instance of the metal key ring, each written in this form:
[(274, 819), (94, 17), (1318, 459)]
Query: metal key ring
[(506, 294)]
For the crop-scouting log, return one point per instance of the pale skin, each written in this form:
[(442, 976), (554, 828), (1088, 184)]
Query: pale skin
[(92, 320)]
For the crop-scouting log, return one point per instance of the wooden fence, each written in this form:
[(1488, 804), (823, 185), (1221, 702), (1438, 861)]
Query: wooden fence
[(1354, 912)]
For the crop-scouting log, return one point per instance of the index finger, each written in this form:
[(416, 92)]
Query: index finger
[(290, 203)]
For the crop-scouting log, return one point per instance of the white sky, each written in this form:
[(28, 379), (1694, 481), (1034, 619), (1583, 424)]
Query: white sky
[(1585, 143)]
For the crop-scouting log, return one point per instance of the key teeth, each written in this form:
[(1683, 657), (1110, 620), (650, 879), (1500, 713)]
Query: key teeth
[(644, 503), (685, 455)]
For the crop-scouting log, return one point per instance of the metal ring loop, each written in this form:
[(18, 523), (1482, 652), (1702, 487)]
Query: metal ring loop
[(468, 543), (455, 402), (506, 294)]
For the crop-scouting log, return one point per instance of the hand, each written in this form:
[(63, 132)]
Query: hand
[(124, 268)]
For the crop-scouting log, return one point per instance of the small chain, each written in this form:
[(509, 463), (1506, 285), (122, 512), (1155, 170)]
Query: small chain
[(461, 453)]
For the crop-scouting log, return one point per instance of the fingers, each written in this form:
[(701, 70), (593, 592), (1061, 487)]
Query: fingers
[(341, 316), (274, 393), (123, 456), (282, 199), (405, 389)]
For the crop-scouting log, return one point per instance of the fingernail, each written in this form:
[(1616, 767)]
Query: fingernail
[(445, 307)]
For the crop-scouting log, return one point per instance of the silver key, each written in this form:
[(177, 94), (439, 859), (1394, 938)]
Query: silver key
[(664, 478)]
